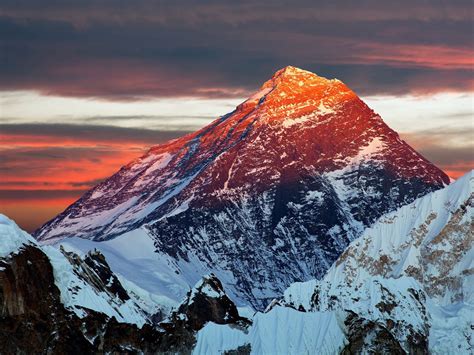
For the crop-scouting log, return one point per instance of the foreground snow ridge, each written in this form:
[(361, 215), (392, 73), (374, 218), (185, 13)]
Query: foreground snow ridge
[(76, 293), (281, 331)]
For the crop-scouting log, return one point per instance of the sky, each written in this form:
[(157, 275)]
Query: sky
[(86, 86)]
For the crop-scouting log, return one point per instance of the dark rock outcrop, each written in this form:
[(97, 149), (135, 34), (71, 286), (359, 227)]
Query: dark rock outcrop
[(206, 302), (95, 270), (368, 337), (34, 320)]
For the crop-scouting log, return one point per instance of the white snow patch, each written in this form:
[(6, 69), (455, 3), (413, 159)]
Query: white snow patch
[(283, 330), (324, 110), (294, 121), (218, 338), (180, 209), (161, 162), (12, 238), (201, 287), (314, 195)]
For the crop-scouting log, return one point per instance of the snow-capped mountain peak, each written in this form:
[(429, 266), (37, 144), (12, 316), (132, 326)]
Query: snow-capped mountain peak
[(295, 93), (294, 174)]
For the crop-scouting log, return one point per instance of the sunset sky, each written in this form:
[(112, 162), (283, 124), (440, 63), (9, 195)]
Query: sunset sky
[(86, 86)]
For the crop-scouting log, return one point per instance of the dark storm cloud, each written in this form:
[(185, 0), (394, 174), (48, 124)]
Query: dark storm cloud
[(81, 133), (127, 50), (38, 194), (445, 155), (168, 125), (197, 12), (143, 118)]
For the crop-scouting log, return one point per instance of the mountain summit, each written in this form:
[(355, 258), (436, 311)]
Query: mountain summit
[(266, 195)]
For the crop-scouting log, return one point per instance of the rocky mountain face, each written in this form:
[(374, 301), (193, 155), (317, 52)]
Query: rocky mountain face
[(49, 305), (32, 318), (266, 195), (405, 286), (57, 302), (206, 302)]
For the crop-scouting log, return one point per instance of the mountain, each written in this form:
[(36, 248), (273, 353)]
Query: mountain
[(266, 195), (84, 284), (55, 302), (205, 303), (405, 286)]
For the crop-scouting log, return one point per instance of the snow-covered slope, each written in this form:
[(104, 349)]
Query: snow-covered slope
[(427, 247), (404, 286), (281, 331), (293, 174), (133, 259), (56, 302), (80, 284), (430, 240), (13, 239)]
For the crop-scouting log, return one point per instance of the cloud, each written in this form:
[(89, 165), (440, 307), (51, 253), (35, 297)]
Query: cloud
[(31, 209), (58, 157), (194, 13), (61, 135), (29, 195), (121, 53), (425, 56), (130, 51), (450, 149)]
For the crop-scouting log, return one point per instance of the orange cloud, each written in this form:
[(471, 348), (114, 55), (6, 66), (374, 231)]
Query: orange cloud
[(63, 174), (407, 55), (41, 175), (457, 170)]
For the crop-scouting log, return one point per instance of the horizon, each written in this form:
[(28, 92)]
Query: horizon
[(88, 88)]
